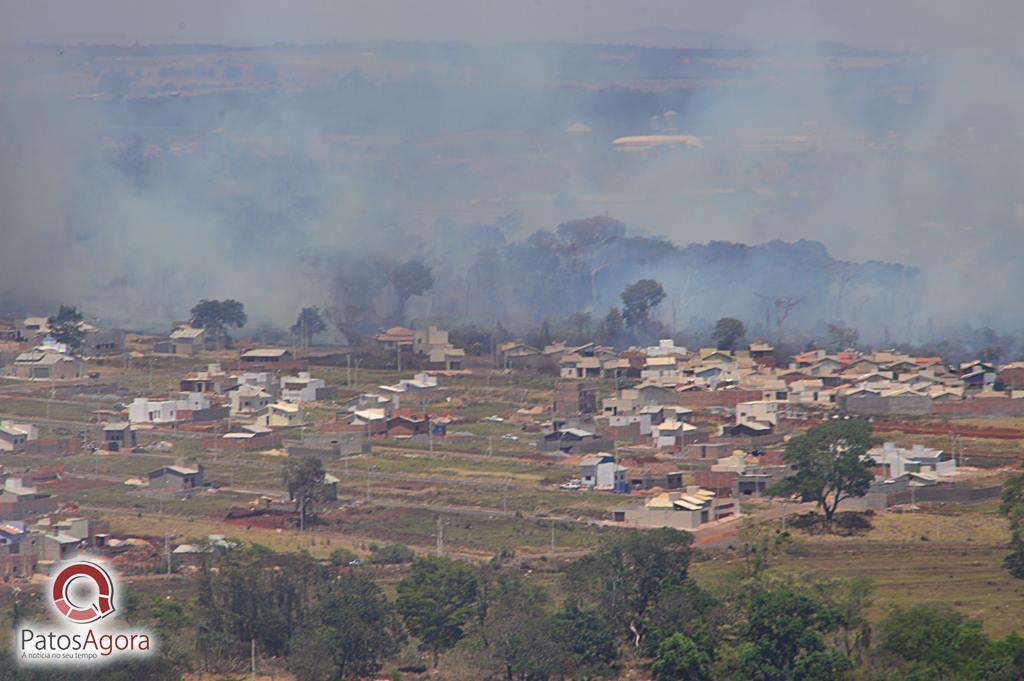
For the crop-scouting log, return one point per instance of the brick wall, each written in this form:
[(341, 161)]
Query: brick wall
[(717, 398)]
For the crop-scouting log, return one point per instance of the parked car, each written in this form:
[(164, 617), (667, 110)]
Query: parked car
[(572, 484), (494, 418), (510, 437)]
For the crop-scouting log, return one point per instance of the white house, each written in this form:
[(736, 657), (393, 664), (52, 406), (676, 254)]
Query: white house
[(302, 388), (280, 414), (760, 411), (602, 472), (672, 434), (144, 410), (13, 436), (249, 399), (896, 461)]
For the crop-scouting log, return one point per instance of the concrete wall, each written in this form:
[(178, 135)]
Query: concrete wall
[(984, 406), (717, 398), (878, 405)]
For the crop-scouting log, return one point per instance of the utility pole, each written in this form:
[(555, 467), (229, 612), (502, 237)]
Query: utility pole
[(252, 657), (440, 536), (167, 550), (552, 534), (398, 353)]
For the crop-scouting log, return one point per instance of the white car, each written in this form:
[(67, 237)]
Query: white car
[(510, 437), (569, 485), (495, 419)]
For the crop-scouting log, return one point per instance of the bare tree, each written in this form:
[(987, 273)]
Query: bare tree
[(783, 306), (843, 275)]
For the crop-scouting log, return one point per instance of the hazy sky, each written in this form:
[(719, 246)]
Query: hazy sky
[(915, 24)]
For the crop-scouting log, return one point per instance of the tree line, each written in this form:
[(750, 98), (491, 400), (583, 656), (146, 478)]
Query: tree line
[(631, 605)]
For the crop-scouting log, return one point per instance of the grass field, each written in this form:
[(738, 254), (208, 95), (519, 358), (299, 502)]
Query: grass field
[(969, 577)]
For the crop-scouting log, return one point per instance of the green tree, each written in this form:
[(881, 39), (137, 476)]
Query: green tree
[(216, 316), (680, 658), (591, 650), (785, 639), (392, 554), (1012, 507), (638, 299), (581, 322), (308, 324), (516, 631), (304, 479), (625, 578), (66, 327), (831, 464), (612, 329), (340, 557), (728, 333), (933, 641), (436, 600), (410, 279), (352, 631)]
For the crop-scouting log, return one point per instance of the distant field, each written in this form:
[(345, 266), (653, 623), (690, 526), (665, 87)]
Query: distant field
[(970, 577)]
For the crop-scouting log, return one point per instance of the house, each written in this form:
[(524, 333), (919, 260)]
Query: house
[(518, 355), (176, 478), (184, 340), (36, 325), (759, 411), (19, 501), (575, 398), (118, 436), (666, 346), (304, 388), (430, 338), (396, 337), (896, 461), (280, 415), (266, 355), (445, 359), (661, 475), (577, 366), (89, 531), (673, 434), (37, 364), (145, 410), (683, 510), (14, 436), (374, 419), (403, 426), (574, 441), (659, 368), (102, 342), (18, 550), (651, 393), (248, 399), (601, 472), (751, 429), (762, 353), (214, 380), (57, 548), (248, 438)]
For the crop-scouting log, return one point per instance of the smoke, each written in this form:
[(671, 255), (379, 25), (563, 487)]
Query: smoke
[(135, 181)]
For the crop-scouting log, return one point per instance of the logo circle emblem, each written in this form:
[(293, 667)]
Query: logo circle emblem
[(77, 612)]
